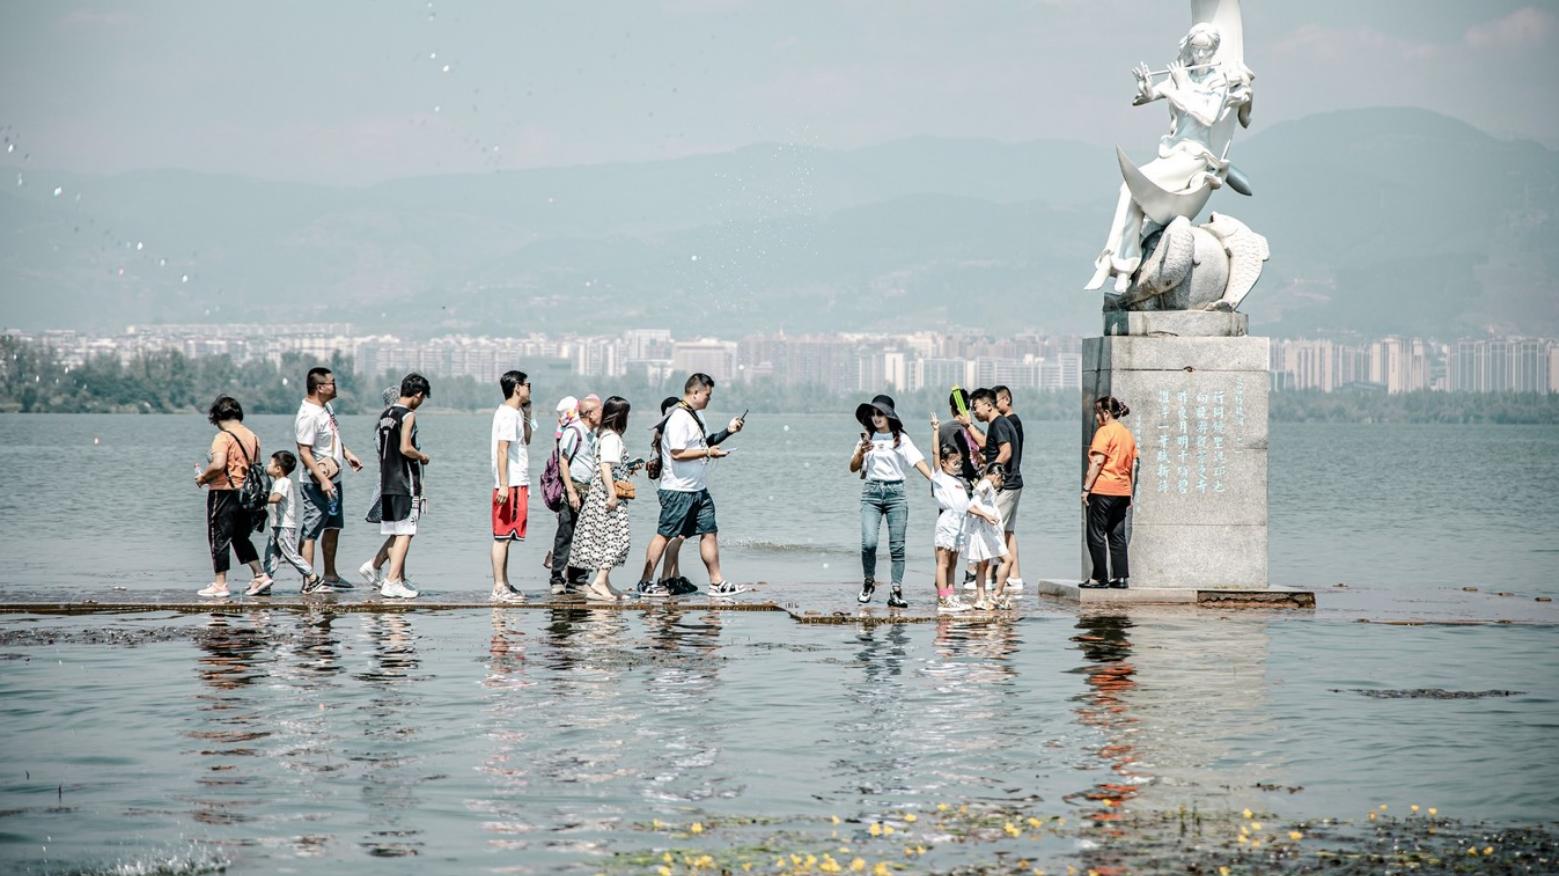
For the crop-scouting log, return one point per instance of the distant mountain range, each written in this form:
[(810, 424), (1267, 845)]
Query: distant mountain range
[(1380, 221)]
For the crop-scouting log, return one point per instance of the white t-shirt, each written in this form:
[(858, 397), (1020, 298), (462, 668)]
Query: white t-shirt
[(315, 427), (283, 514), (950, 492), (683, 432), (509, 425), (580, 440), (609, 448), (884, 462)]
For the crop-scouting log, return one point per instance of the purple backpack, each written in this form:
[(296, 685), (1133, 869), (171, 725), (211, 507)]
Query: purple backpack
[(552, 481)]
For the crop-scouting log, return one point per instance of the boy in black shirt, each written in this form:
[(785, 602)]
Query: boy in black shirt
[(400, 479)]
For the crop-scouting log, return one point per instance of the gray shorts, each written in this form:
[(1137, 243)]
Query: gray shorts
[(316, 510), (1007, 506)]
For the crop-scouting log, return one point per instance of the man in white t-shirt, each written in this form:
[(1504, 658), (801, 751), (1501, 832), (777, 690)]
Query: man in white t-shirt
[(321, 458), (686, 508), (511, 477)]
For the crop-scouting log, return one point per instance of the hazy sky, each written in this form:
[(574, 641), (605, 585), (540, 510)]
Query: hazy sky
[(357, 92)]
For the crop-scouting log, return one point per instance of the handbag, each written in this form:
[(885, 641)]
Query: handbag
[(625, 489)]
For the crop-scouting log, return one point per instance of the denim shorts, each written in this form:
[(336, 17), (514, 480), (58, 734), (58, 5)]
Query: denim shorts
[(316, 510), (686, 514)]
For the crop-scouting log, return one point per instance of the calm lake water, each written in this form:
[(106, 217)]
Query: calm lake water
[(571, 740)]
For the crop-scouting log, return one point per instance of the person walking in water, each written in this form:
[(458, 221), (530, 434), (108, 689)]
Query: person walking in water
[(510, 458), (401, 498), (884, 456), (686, 508), (323, 455), (228, 524), (601, 540), (1112, 457)]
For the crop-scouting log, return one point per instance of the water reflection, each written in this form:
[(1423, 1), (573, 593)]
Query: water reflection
[(229, 724), (391, 719), (510, 731), (1105, 643), (679, 742)]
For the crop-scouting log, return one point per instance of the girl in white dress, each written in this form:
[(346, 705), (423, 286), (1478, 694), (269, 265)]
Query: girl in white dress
[(951, 492), (985, 540)]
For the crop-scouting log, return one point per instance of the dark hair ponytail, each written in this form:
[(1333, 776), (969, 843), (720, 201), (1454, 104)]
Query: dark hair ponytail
[(1112, 406)]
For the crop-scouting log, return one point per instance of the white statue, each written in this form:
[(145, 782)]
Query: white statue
[(1207, 88)]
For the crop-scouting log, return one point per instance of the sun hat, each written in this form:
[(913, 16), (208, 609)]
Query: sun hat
[(881, 404)]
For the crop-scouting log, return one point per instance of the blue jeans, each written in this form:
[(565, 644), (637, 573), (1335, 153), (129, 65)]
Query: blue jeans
[(881, 499)]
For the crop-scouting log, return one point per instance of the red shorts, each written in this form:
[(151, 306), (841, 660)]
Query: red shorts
[(509, 517)]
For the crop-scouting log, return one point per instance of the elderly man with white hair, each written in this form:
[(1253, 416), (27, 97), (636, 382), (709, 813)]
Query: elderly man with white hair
[(577, 422)]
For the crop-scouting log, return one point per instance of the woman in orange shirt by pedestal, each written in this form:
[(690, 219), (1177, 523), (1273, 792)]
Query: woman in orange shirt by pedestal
[(1112, 457)]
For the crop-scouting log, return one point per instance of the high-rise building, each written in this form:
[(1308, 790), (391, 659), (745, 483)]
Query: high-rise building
[(711, 356)]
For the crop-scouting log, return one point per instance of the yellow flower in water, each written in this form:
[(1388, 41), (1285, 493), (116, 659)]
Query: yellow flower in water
[(941, 807), (844, 849), (875, 829), (1246, 813), (920, 850), (811, 861), (857, 865), (1472, 851), (887, 830), (911, 817), (695, 827), (1488, 850), (1433, 811), (1011, 829), (1244, 830), (704, 861), (829, 865), (882, 869), (1034, 822), (666, 857), (1241, 839), (1223, 871), (1414, 807), (663, 870), (655, 823), (1255, 825), (1372, 816), (746, 866), (1382, 807), (1295, 835), (834, 819), (1255, 843)]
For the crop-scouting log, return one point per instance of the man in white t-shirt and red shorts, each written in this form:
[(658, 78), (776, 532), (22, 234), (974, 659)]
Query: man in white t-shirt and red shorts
[(511, 478)]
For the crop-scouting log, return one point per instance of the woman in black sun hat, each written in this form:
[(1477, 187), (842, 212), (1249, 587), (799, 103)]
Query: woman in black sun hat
[(884, 456)]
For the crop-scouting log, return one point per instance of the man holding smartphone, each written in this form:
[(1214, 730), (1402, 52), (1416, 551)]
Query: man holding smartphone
[(686, 508)]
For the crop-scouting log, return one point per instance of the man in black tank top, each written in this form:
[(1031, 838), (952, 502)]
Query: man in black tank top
[(400, 479)]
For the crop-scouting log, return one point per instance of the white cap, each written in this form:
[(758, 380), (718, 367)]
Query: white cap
[(567, 404)]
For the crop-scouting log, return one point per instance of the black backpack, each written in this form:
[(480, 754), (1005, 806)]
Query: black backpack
[(256, 490)]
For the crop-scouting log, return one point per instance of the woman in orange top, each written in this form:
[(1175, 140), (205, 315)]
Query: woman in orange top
[(227, 523), (1112, 457)]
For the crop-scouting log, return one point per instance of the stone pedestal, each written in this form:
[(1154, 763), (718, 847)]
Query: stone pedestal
[(1198, 389)]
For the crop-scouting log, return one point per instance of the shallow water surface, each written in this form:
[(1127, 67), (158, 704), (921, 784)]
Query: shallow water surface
[(576, 740)]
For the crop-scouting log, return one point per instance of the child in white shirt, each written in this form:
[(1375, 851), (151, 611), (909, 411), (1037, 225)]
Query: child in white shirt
[(282, 521), (951, 492), (985, 539)]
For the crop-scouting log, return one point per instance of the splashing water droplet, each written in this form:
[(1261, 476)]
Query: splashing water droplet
[(787, 427), (437, 108), (446, 68), (184, 278), (825, 565), (695, 258), (162, 263), (139, 246), (432, 56), (10, 147), (58, 190)]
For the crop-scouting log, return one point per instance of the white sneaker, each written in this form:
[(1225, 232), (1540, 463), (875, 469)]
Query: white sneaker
[(392, 589), (948, 604), (260, 586), (1014, 583), (212, 591), (507, 595), (371, 576)]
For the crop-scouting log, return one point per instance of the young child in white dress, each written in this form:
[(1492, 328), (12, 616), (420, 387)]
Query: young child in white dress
[(985, 540), (951, 492)]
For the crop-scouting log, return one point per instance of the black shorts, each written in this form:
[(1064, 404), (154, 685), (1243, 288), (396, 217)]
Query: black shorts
[(393, 509)]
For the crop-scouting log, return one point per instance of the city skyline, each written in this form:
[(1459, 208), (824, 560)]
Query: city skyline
[(837, 362)]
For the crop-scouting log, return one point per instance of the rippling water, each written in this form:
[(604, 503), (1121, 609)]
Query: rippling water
[(539, 741)]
